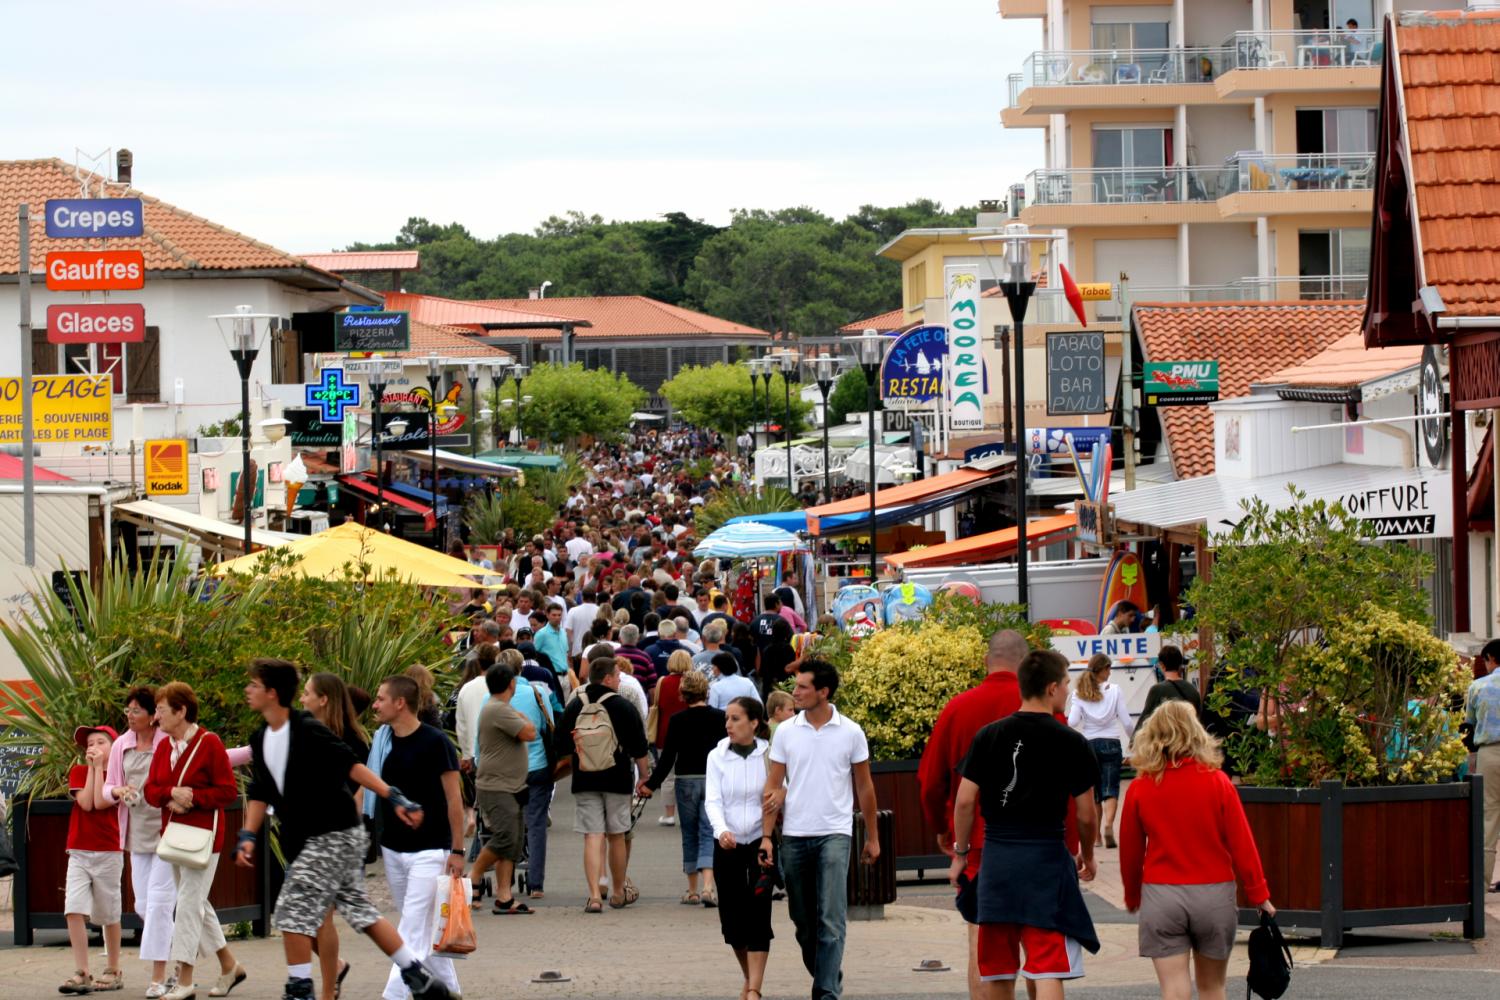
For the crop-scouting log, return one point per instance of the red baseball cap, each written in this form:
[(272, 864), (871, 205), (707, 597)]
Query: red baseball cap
[(82, 733)]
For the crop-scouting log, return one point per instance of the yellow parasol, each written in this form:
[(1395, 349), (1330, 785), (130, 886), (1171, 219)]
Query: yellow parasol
[(325, 554)]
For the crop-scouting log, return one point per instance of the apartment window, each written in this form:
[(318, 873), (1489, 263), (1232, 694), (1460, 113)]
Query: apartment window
[(1132, 147), (916, 284), (1323, 15), (1335, 130), (133, 370), (1332, 263)]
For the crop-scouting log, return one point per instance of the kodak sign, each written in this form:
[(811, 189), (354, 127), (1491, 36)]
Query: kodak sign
[(166, 467), (95, 270), (96, 323)]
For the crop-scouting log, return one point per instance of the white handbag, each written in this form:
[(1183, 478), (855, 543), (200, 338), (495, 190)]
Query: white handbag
[(188, 846)]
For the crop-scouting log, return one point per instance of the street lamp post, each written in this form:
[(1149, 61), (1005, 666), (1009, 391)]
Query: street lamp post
[(871, 347), (377, 390), (753, 367), (238, 329), (518, 372), (498, 370), (824, 367), (472, 371), (788, 364), (766, 364), (434, 379)]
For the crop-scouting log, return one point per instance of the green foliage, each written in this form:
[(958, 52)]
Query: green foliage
[(568, 401), (551, 486), (733, 501), (229, 427), (1287, 590), (788, 270), (488, 515), (154, 625), (849, 396), (718, 397)]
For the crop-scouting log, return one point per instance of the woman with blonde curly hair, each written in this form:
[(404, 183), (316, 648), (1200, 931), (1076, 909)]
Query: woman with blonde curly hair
[(1184, 841)]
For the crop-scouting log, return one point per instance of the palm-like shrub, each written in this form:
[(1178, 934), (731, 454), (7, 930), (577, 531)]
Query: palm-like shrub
[(735, 501)]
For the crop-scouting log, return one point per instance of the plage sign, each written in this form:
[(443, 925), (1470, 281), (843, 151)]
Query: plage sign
[(64, 408)]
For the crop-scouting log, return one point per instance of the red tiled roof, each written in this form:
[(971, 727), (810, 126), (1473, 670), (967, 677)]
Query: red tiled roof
[(886, 321), (438, 311), (629, 316), (448, 341), (355, 261), (1450, 79), (1347, 363), (1250, 340), (174, 240)]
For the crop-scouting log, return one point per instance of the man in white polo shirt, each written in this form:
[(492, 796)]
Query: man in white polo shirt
[(808, 778)]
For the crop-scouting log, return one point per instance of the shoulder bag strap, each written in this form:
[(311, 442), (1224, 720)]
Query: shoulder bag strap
[(546, 718), (182, 768)]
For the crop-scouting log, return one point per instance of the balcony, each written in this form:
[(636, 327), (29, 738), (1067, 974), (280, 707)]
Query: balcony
[(1123, 196), (1306, 288), (1271, 62), (1266, 184), (1012, 116), (1023, 8), (1061, 80)]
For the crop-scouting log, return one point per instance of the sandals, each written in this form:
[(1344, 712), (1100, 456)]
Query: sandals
[(511, 907), (338, 984), (632, 894), (112, 979), (711, 899), (690, 899), (595, 905), (538, 894), (624, 901), (78, 984), (1109, 838)]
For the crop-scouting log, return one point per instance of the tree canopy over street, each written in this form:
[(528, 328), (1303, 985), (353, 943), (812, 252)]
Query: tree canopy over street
[(791, 269)]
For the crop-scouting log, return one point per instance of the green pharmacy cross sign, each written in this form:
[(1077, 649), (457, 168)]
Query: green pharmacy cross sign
[(330, 394), (1181, 383)]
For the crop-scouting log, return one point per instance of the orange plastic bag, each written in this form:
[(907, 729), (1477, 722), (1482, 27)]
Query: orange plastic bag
[(453, 928)]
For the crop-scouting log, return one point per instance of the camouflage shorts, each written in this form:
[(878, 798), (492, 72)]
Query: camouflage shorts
[(329, 871)]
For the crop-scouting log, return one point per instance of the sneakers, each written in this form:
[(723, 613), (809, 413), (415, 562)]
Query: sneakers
[(666, 821), (423, 984), (298, 989)]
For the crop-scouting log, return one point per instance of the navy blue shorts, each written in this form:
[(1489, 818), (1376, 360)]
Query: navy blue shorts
[(1109, 755)]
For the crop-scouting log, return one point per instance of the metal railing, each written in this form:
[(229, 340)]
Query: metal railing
[(1064, 67), (1303, 49), (1015, 83), (1305, 172), (1281, 288), (1125, 185)]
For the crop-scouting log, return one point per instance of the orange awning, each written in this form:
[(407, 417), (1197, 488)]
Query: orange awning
[(952, 485), (987, 547)]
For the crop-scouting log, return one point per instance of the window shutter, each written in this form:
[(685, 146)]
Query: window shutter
[(143, 370), (43, 354)]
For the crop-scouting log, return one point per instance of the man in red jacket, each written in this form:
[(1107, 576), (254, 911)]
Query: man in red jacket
[(997, 696)]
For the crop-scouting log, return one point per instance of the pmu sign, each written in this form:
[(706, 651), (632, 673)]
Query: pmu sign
[(96, 323), (93, 218), (95, 270)]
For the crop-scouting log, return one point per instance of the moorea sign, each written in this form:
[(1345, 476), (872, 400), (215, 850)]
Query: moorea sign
[(912, 373)]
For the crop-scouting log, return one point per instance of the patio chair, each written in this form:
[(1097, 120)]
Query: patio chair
[(1275, 60), (1108, 195), (1364, 57), (1128, 73), (1161, 74), (1358, 178)]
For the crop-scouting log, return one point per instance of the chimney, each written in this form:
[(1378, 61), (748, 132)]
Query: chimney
[(124, 162), (533, 293)]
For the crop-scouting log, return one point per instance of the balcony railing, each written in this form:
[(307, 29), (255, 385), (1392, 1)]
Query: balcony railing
[(1303, 49), (1126, 185), (1015, 82), (1278, 289), (1305, 172), (1124, 66)]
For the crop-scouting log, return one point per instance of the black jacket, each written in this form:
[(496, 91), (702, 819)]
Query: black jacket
[(316, 799)]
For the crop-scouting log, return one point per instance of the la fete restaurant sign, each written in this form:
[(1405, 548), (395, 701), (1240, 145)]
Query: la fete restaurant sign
[(94, 218), (912, 373), (64, 408), (1180, 383), (95, 270), (96, 323), (965, 383), (372, 331)]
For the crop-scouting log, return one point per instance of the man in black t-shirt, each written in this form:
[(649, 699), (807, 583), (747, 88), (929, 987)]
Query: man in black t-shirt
[(1174, 688), (763, 625), (1020, 772), (422, 763)]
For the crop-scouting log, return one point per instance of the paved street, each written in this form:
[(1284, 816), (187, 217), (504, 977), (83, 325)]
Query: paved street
[(660, 948)]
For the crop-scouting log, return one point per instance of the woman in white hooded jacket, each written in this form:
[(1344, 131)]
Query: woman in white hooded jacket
[(1098, 712), (732, 800)]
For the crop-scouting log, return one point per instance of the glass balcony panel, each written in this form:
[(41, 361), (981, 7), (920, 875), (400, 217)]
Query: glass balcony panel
[(1127, 185), (1101, 67), (1305, 172), (1303, 49)]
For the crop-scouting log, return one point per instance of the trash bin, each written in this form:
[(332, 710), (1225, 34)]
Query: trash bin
[(871, 887)]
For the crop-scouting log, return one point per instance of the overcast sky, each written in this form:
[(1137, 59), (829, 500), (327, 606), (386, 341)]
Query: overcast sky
[(310, 125)]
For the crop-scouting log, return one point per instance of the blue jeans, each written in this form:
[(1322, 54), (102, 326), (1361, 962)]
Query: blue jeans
[(817, 896), (697, 832), (539, 785)]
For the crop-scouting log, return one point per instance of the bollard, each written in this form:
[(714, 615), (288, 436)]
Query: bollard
[(871, 887)]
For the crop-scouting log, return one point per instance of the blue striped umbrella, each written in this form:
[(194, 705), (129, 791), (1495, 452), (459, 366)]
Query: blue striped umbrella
[(746, 540)]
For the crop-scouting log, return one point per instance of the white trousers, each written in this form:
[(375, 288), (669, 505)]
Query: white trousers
[(413, 880), (197, 927), (155, 896)]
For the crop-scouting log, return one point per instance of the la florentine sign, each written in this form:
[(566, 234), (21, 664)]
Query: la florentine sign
[(93, 218), (965, 368)]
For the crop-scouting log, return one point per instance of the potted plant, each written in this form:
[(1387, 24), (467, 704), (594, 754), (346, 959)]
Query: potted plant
[(1350, 761)]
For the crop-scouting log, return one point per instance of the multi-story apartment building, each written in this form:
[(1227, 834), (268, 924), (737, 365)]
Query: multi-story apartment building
[(1211, 149)]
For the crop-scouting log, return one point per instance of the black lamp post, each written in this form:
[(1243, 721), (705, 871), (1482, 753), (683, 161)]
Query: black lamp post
[(767, 363), (434, 379), (753, 367), (871, 347), (377, 390), (498, 370), (518, 372), (472, 371), (238, 328), (824, 367), (787, 361)]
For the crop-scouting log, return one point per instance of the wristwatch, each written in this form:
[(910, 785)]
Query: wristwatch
[(960, 852), (456, 850)]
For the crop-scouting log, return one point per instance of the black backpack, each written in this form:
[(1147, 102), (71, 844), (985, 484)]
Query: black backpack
[(1270, 961)]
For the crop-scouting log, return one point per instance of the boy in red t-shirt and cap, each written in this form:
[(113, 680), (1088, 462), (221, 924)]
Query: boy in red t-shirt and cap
[(95, 864)]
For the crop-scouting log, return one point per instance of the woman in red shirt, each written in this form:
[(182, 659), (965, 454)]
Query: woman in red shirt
[(1184, 842), (191, 782)]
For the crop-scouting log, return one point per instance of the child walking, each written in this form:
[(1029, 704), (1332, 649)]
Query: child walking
[(95, 864)]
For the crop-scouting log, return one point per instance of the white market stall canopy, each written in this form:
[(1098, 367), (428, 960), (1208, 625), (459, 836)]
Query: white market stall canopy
[(195, 529)]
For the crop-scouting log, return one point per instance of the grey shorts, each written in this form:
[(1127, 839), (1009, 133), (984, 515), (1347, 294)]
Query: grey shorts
[(1175, 919), (329, 871), (93, 885), (601, 812), (504, 821)]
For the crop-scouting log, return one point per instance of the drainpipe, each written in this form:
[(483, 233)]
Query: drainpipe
[(1408, 449)]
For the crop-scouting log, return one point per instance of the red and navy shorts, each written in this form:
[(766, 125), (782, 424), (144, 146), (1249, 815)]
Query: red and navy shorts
[(1049, 954)]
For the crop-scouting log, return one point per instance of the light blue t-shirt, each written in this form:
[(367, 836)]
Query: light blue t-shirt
[(525, 702), (724, 690)]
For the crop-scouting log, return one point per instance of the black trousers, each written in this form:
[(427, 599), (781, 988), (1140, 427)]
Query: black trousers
[(744, 918)]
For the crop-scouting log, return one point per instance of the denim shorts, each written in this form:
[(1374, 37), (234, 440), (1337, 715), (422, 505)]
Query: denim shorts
[(1109, 755)]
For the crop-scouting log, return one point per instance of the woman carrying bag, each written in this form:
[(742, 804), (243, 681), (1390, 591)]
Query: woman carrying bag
[(191, 782)]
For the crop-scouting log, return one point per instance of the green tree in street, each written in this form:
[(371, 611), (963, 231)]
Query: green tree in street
[(718, 397), (567, 402)]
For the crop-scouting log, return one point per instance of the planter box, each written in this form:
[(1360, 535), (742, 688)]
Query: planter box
[(1343, 858), (914, 841), (39, 830)]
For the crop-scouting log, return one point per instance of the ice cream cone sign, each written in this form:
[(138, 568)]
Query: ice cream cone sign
[(295, 474)]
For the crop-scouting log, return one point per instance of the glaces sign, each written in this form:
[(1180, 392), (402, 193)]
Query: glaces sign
[(96, 323)]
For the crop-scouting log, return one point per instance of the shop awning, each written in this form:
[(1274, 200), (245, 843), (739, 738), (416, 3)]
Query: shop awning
[(920, 497), (523, 459), (208, 532), (987, 547), (368, 491), (474, 466)]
